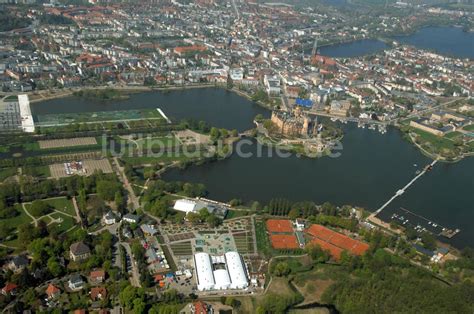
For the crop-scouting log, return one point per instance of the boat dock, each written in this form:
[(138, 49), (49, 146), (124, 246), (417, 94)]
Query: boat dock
[(421, 224)]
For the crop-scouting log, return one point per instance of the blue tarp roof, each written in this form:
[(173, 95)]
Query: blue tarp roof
[(304, 102)]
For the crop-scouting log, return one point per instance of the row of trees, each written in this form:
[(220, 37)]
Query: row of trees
[(203, 216), (284, 207)]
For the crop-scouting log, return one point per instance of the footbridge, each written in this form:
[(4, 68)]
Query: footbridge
[(402, 190)]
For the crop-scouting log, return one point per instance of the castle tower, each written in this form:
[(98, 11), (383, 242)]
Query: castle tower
[(305, 129)]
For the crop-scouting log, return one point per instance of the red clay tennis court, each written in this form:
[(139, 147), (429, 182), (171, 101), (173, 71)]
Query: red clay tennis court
[(335, 242), (333, 250), (279, 225), (284, 241)]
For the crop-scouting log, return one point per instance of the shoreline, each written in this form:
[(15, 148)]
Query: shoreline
[(63, 93)]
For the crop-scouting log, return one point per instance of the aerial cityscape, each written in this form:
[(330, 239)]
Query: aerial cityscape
[(236, 156)]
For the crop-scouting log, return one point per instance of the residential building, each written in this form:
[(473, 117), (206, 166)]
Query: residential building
[(131, 218), (52, 291), (9, 289), (79, 251), (97, 276), (76, 282)]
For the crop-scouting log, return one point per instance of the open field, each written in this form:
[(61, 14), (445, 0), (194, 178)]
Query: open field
[(62, 204), (14, 223), (279, 286), (37, 171), (436, 141), (453, 135), (236, 213), (7, 172), (65, 223), (469, 127), (312, 290), (59, 143)]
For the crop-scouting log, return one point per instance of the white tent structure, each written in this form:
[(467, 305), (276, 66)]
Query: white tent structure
[(237, 270), (204, 275), (188, 206), (223, 272)]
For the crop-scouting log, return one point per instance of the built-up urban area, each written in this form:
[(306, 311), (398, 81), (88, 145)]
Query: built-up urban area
[(84, 230)]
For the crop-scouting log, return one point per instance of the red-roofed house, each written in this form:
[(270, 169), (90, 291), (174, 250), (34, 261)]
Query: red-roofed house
[(98, 293), (201, 308), (9, 289), (97, 276), (180, 51), (52, 291), (159, 277)]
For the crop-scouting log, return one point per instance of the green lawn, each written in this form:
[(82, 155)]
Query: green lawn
[(61, 204), (20, 219), (469, 127), (236, 213), (436, 141), (32, 146), (11, 98), (453, 135), (66, 224), (263, 243), (7, 172), (37, 171)]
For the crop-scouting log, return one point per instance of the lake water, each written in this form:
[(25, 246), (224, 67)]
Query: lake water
[(217, 106), (370, 170), (353, 49), (449, 41)]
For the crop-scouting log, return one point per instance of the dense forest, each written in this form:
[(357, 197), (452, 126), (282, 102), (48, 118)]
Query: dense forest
[(382, 283)]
